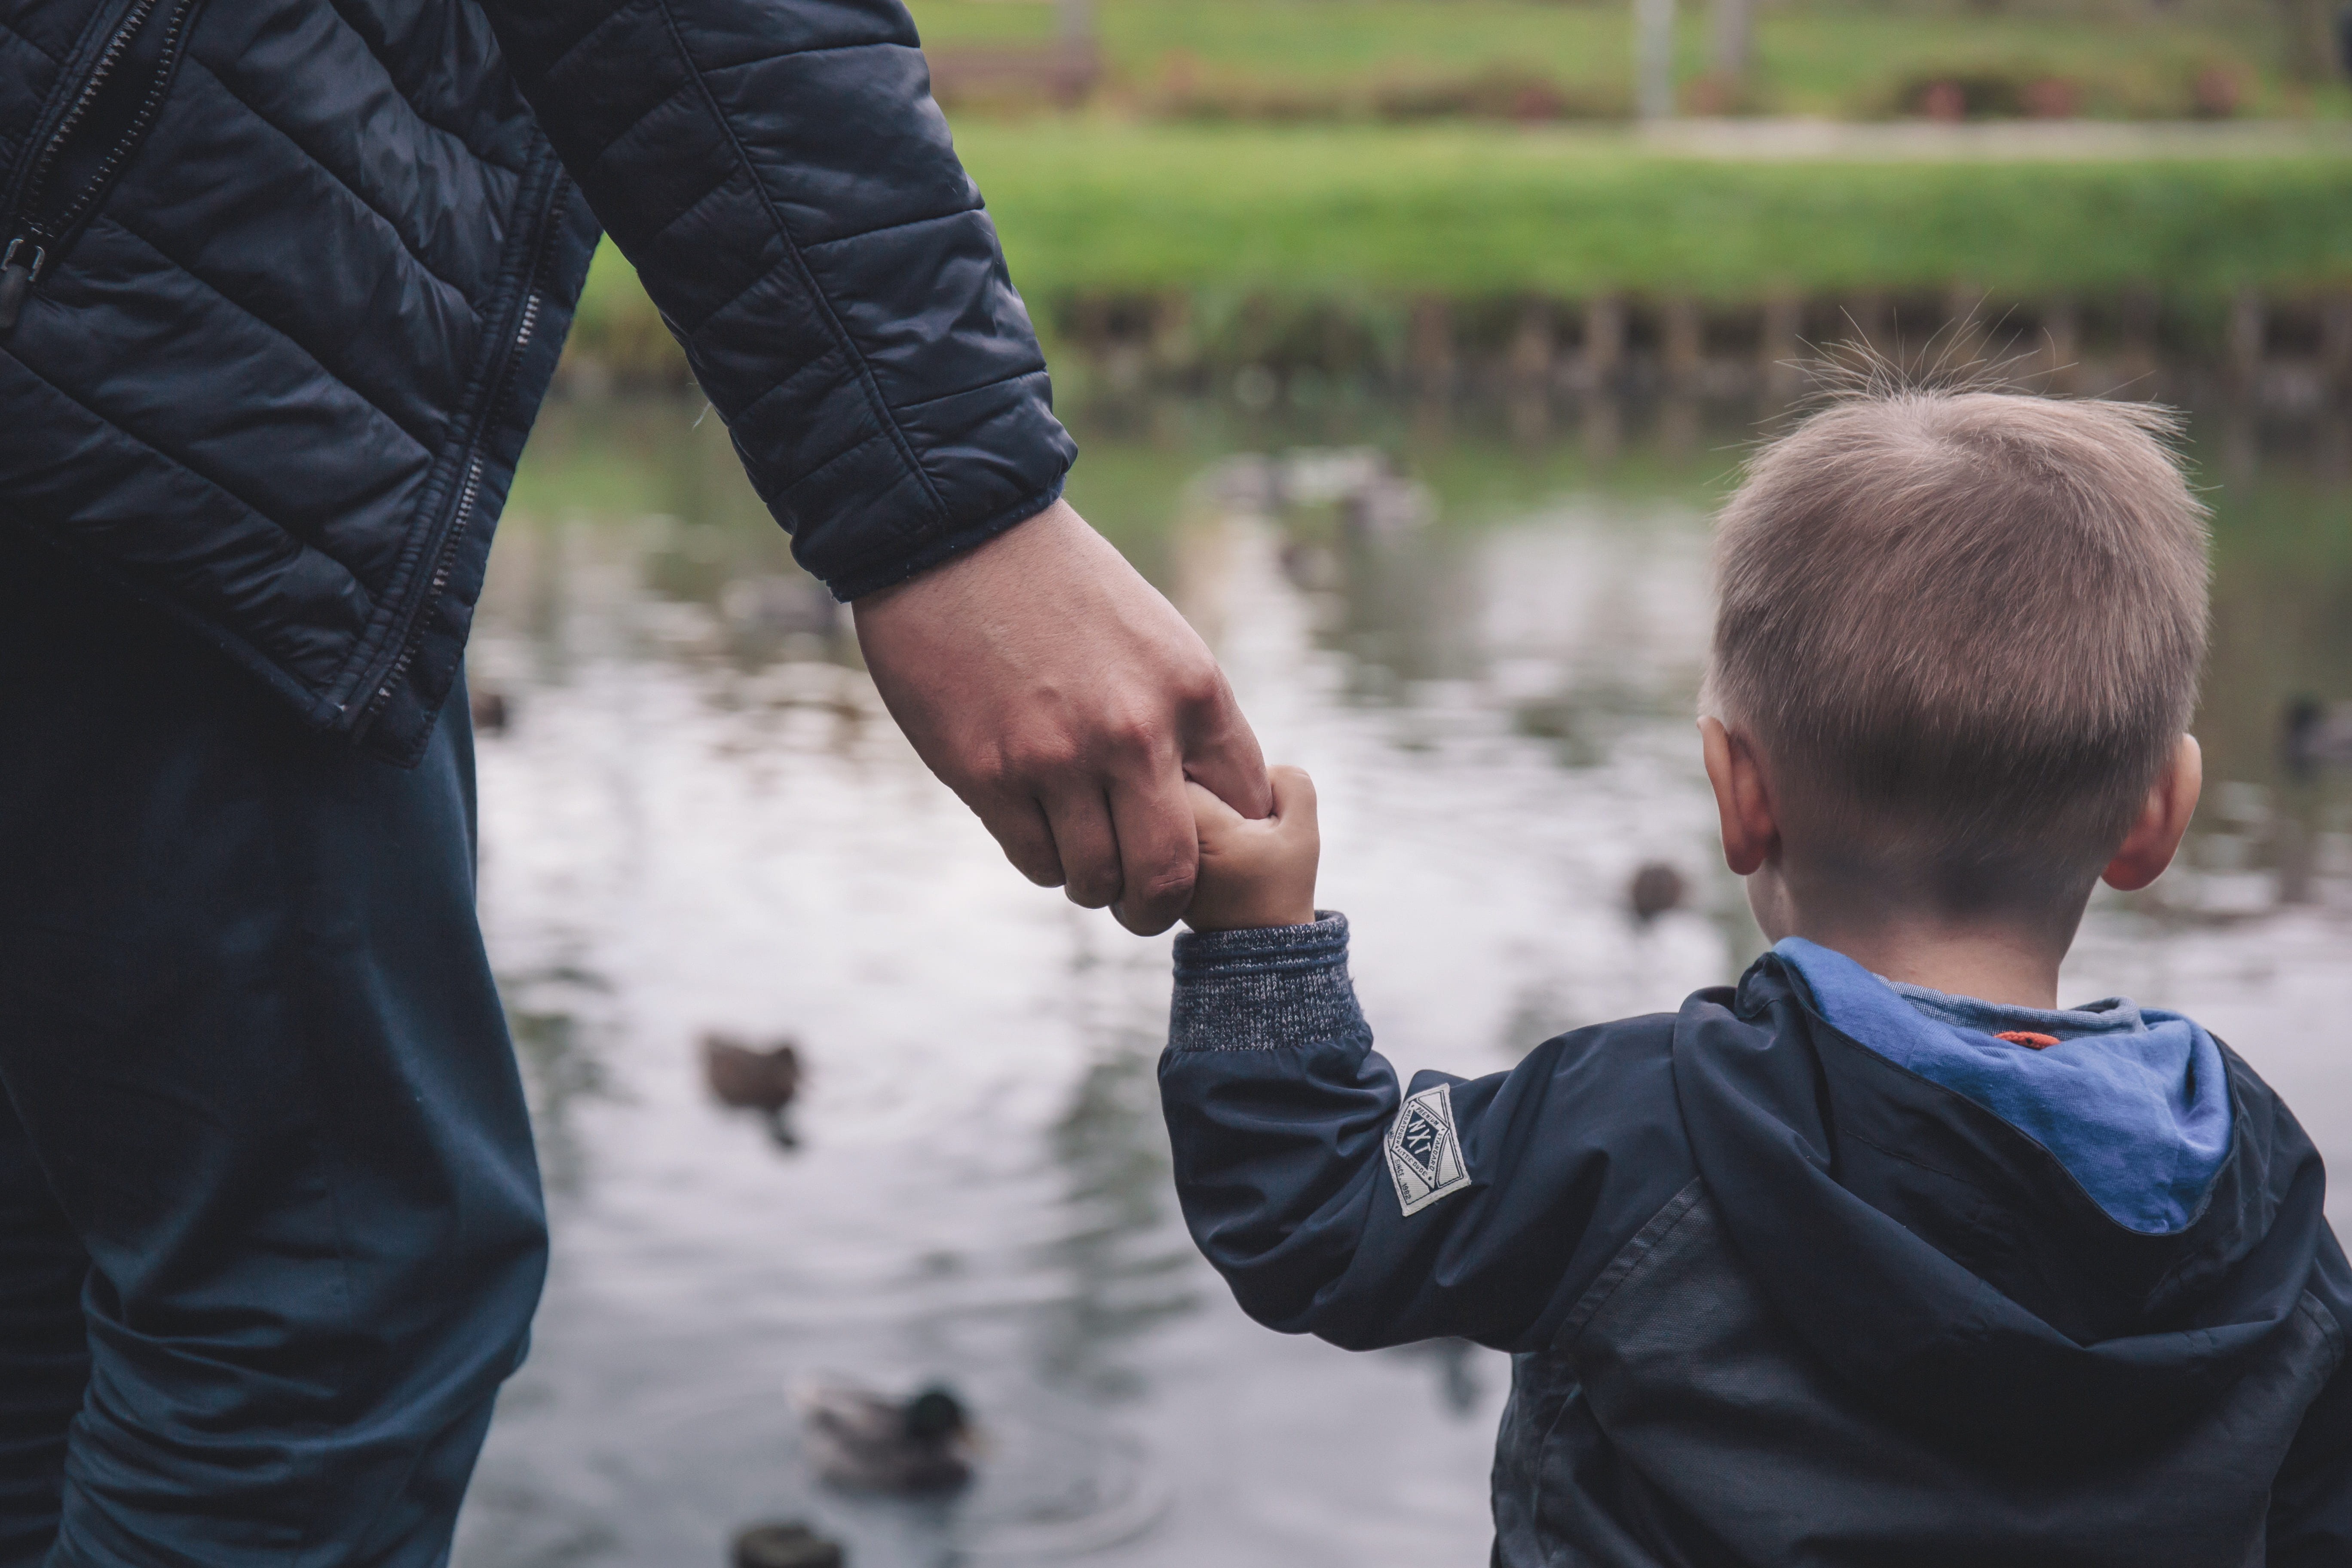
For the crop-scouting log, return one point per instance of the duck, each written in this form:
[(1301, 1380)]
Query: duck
[(1656, 888), (487, 707), (866, 1441), (791, 1544), (2314, 733), (754, 1078)]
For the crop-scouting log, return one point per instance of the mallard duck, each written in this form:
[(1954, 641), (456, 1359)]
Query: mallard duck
[(754, 1080), (869, 1442)]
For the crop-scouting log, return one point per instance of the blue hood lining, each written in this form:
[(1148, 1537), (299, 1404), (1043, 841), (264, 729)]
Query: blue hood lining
[(2133, 1102)]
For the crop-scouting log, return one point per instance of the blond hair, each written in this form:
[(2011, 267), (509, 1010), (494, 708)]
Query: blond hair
[(1969, 626)]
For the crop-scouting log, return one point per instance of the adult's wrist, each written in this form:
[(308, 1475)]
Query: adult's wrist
[(867, 588)]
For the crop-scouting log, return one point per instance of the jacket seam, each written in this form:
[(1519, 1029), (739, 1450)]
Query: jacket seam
[(294, 542), (758, 275), (749, 409), (353, 190), (548, 72), (1901, 1157), (967, 391), (893, 227), (1629, 1260), (361, 675), (27, 39), (819, 49), (2328, 1324), (808, 277), (851, 450), (424, 447), (423, 119), (852, 583)]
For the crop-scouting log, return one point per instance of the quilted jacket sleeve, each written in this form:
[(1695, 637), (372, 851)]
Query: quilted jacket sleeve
[(787, 189)]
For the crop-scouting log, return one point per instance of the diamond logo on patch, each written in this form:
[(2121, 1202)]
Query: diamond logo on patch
[(1425, 1156)]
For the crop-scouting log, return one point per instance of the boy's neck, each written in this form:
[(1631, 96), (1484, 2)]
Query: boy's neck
[(1994, 964)]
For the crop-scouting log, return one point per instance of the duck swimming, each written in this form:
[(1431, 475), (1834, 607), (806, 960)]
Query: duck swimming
[(791, 1545), (1655, 889), (868, 1441), (754, 1080)]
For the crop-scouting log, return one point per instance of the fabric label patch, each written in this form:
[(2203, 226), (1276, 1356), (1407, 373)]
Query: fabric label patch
[(1425, 1156)]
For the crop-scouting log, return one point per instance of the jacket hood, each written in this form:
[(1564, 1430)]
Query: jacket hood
[(1949, 1265), (2135, 1104)]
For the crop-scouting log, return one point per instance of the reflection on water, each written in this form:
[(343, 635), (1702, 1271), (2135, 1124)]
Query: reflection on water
[(1486, 647)]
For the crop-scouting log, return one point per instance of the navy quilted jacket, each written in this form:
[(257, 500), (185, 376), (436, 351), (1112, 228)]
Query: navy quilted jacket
[(286, 279)]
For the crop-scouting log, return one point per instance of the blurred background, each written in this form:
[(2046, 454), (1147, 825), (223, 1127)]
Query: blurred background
[(1408, 344)]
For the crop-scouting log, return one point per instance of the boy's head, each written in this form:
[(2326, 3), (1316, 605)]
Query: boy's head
[(1962, 632)]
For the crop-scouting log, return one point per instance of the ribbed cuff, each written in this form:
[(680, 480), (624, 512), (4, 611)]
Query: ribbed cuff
[(1264, 989)]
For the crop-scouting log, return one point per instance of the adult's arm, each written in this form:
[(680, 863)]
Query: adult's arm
[(779, 174)]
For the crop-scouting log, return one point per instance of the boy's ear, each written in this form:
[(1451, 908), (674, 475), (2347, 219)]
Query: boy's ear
[(1751, 829), (2154, 838)]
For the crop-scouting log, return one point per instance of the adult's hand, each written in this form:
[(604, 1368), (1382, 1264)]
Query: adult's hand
[(1066, 703)]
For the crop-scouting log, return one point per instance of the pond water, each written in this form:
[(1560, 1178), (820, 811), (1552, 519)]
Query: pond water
[(1483, 637)]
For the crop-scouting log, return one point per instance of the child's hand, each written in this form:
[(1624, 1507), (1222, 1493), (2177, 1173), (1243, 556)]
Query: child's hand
[(1257, 873)]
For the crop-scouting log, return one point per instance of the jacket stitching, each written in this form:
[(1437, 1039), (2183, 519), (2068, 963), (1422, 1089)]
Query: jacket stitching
[(534, 210), (421, 443), (750, 409), (563, 56), (892, 227), (1915, 1163), (808, 278), (355, 193), (758, 276), (737, 297), (1629, 1259), (29, 42), (818, 49), (967, 392), (850, 450), (294, 542), (629, 128), (384, 65), (876, 569)]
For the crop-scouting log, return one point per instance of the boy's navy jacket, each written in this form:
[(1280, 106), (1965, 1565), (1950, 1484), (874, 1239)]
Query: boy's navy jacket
[(1772, 1299), (286, 280)]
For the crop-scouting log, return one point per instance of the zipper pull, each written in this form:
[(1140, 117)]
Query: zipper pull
[(17, 280)]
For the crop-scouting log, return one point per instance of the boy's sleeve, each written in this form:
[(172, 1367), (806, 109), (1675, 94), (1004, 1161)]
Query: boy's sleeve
[(1336, 1204)]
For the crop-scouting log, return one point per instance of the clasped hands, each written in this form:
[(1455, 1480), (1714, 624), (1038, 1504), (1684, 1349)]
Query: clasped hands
[(1086, 724)]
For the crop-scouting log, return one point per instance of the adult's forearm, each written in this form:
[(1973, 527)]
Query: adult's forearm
[(792, 202)]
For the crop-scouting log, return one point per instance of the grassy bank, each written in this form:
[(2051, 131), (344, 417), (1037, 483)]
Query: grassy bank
[(1469, 211), (1811, 57), (1226, 213)]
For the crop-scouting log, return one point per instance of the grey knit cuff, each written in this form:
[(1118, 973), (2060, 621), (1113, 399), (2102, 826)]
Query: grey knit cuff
[(1261, 990)]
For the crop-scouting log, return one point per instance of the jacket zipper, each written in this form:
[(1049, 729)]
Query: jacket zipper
[(469, 493), (37, 240)]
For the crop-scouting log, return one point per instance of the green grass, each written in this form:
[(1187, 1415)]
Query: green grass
[(1469, 211), (1362, 213), (1810, 58)]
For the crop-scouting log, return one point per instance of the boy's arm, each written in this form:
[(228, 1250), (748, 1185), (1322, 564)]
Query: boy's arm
[(1332, 1202)]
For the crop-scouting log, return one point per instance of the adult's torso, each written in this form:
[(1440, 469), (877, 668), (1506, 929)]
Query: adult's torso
[(305, 268)]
